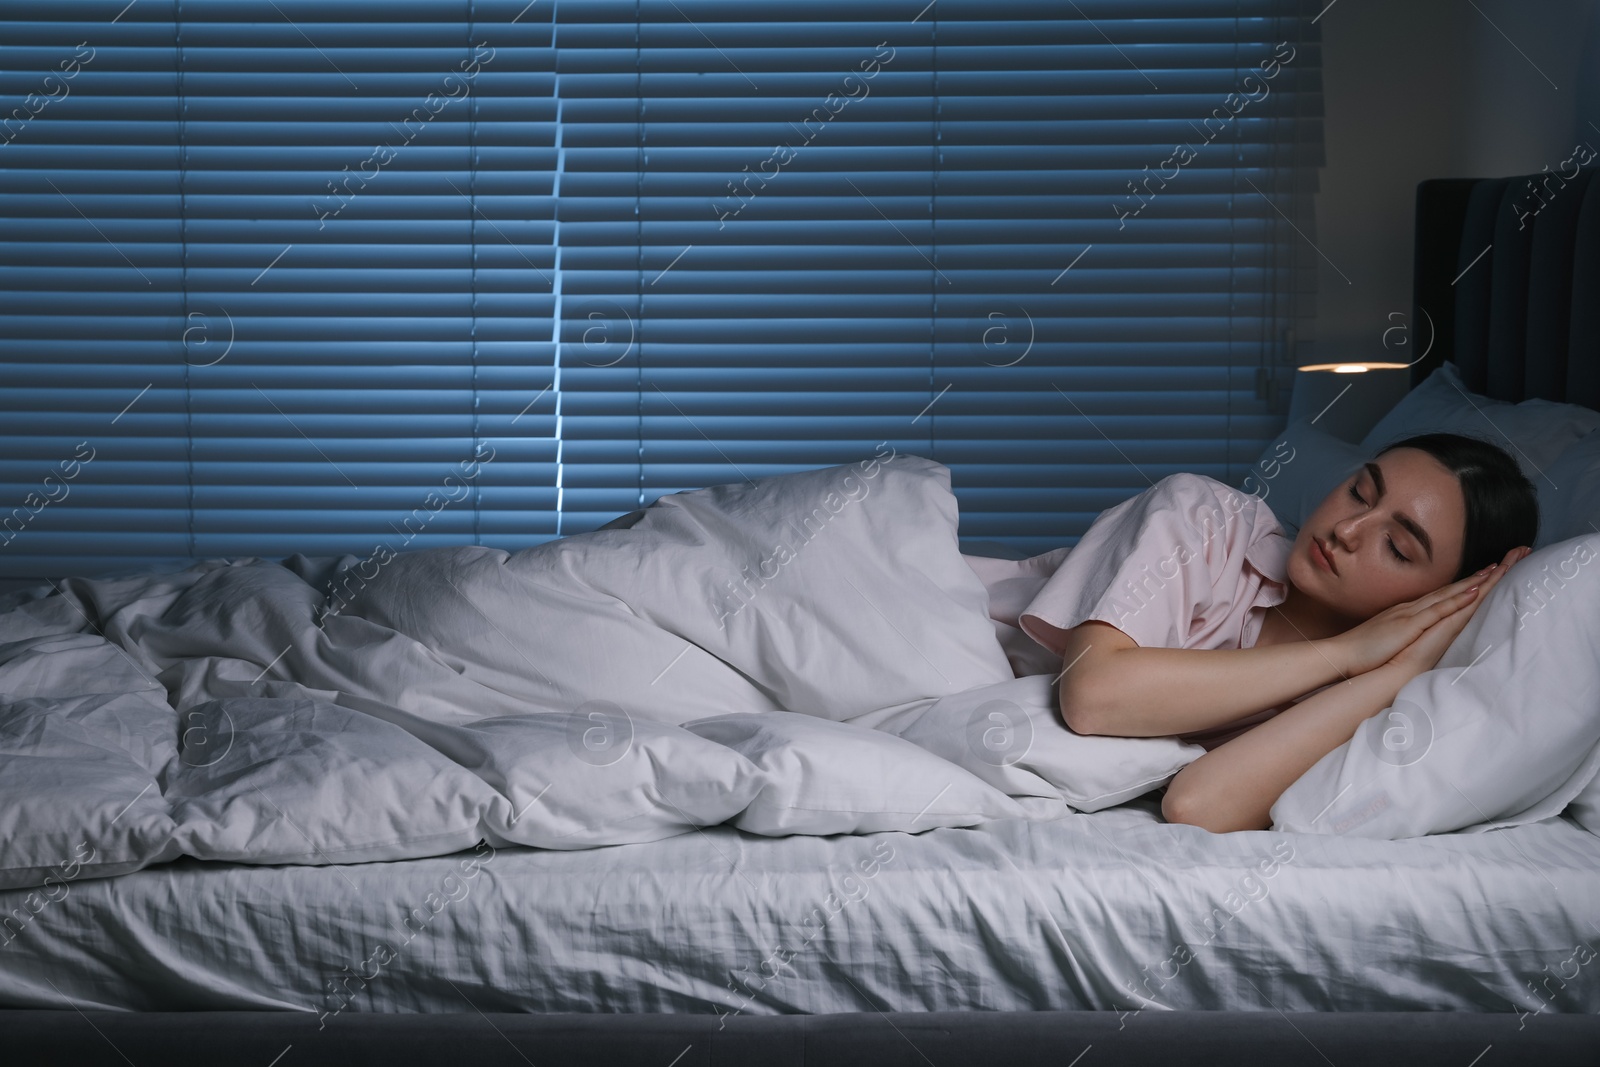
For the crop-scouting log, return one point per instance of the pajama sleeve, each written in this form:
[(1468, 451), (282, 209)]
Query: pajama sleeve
[(1152, 566)]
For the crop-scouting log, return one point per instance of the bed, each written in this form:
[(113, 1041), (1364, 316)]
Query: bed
[(1104, 936)]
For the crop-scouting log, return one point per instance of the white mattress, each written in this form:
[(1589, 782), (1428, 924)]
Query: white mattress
[(1106, 911)]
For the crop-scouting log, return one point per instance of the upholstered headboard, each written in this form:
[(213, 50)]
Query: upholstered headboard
[(1506, 284)]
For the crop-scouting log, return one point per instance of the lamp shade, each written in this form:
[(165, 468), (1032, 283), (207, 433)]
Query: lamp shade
[(1347, 399)]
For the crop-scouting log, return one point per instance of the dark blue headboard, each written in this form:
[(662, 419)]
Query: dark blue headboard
[(1507, 272)]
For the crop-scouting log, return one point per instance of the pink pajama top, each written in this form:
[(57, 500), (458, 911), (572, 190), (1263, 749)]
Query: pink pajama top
[(1188, 563)]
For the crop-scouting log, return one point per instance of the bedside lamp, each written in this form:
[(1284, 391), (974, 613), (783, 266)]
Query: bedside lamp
[(1347, 399)]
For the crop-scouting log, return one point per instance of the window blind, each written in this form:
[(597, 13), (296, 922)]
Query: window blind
[(308, 276)]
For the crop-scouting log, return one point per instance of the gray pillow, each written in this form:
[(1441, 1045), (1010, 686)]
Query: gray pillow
[(1534, 432), (1299, 470)]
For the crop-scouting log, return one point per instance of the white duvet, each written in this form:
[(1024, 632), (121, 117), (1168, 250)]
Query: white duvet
[(599, 689)]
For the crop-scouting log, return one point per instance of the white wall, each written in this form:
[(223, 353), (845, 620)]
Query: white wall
[(1417, 89)]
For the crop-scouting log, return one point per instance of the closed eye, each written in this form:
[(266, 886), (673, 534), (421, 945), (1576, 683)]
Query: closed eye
[(1392, 549)]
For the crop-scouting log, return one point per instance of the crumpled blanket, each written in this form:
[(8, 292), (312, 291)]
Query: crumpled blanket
[(411, 704)]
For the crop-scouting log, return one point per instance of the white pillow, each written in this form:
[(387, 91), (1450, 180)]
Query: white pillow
[(1569, 506), (1011, 736), (1569, 493), (828, 777), (1534, 432), (1504, 731), (1298, 470)]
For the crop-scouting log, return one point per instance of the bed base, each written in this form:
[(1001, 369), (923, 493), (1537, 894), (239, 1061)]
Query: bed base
[(878, 1039)]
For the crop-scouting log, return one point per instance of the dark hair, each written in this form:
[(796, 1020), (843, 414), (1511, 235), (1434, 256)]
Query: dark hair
[(1502, 505)]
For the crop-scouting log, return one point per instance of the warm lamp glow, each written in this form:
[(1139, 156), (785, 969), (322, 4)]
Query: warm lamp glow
[(1355, 368)]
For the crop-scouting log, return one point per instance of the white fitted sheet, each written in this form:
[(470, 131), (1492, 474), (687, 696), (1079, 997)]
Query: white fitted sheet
[(1104, 911)]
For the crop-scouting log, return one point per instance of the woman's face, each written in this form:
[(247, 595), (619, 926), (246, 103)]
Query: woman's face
[(1404, 504)]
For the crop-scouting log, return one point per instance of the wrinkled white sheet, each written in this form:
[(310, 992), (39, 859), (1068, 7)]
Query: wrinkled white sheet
[(1111, 911)]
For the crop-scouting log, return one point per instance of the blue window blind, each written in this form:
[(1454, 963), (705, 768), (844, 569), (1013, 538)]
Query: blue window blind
[(312, 276)]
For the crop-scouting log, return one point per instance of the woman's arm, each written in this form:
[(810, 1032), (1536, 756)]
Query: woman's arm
[(1234, 786), (1113, 686)]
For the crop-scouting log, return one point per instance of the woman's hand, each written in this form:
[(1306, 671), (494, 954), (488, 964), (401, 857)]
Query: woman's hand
[(1424, 653), (1387, 634), (1234, 786)]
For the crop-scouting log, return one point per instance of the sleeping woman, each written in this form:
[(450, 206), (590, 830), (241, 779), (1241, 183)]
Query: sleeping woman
[(1186, 611)]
